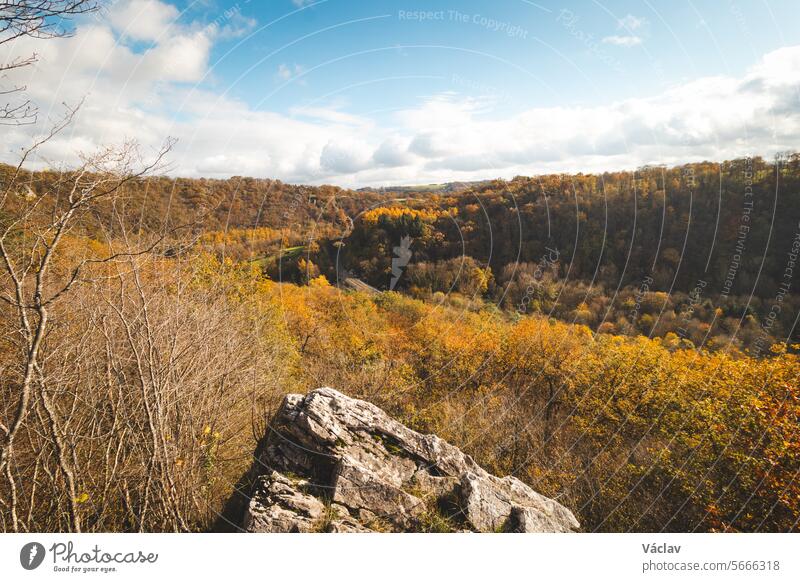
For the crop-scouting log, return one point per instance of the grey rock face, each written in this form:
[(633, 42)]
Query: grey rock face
[(334, 463)]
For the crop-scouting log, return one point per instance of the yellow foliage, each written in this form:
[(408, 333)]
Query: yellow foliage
[(402, 212)]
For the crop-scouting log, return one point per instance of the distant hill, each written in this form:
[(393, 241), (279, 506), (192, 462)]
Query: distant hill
[(446, 187)]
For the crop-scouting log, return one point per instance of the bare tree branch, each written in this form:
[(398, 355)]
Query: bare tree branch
[(41, 19)]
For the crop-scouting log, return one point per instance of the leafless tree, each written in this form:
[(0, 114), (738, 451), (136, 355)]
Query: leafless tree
[(32, 228), (40, 19), (130, 379)]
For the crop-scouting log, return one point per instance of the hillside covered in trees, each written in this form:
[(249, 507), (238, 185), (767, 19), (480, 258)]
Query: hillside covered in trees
[(704, 253), (585, 333)]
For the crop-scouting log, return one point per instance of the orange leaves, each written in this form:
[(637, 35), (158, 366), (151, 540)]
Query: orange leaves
[(398, 213), (320, 281), (714, 433)]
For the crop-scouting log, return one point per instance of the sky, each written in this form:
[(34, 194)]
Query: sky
[(376, 93)]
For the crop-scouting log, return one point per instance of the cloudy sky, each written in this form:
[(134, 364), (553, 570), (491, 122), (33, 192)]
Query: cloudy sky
[(374, 93)]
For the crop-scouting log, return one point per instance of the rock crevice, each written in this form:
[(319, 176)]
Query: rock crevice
[(334, 463)]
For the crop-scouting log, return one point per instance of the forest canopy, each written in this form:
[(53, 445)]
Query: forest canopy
[(610, 339)]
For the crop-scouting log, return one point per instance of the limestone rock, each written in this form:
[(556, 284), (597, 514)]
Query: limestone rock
[(280, 505), (334, 463)]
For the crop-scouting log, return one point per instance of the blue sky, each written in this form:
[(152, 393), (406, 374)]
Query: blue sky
[(382, 92), (557, 56)]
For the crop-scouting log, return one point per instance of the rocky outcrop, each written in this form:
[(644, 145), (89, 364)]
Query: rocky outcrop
[(334, 463)]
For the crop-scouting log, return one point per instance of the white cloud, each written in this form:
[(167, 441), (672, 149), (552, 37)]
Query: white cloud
[(286, 72), (331, 115), (392, 153), (345, 156), (162, 90), (232, 24), (626, 41), (142, 19), (180, 58), (631, 22)]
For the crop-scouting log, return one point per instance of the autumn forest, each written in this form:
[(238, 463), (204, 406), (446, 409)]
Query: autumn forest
[(580, 332), (624, 342)]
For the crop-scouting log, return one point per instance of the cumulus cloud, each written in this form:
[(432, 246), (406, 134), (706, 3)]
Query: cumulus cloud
[(159, 88), (345, 156), (142, 19), (392, 153)]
